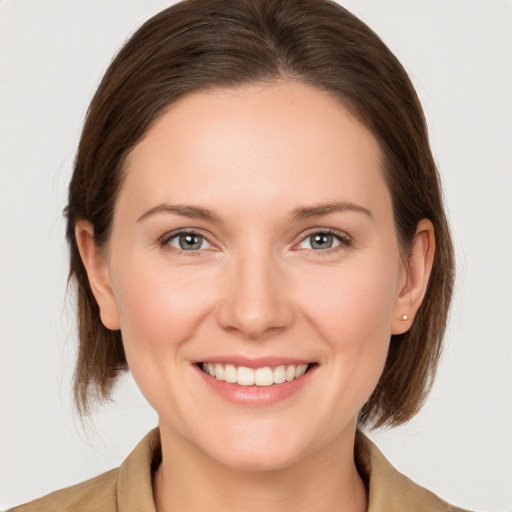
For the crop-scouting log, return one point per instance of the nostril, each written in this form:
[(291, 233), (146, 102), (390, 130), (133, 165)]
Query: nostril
[(255, 306)]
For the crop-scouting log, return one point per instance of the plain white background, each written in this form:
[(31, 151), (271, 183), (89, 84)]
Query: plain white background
[(52, 55)]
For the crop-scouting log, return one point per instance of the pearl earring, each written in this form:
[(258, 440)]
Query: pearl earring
[(405, 318)]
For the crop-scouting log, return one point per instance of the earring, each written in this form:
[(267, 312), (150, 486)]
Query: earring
[(405, 318)]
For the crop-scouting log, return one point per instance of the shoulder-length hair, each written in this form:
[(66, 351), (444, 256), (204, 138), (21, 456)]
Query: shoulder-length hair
[(203, 44)]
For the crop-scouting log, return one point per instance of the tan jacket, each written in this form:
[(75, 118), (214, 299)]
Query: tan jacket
[(129, 488)]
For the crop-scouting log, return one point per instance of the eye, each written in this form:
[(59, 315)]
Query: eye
[(323, 240), (188, 242)]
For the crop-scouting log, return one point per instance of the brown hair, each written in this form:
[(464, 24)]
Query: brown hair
[(202, 44)]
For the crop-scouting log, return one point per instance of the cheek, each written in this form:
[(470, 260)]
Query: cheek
[(352, 303), (159, 307), (353, 316)]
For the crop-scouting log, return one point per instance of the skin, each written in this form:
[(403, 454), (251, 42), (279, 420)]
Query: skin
[(256, 287)]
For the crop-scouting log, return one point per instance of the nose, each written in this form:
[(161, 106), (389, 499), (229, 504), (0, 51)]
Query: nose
[(256, 298)]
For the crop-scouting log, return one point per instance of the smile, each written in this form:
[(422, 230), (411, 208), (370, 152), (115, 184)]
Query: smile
[(264, 376)]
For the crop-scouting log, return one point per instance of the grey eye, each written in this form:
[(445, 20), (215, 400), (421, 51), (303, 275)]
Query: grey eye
[(320, 241), (189, 242)]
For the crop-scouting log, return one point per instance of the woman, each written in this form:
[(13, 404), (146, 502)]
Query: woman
[(257, 233)]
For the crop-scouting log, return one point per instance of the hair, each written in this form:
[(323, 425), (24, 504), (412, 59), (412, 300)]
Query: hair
[(198, 45)]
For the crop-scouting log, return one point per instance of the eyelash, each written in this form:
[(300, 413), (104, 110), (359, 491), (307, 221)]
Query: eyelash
[(343, 239), (163, 242)]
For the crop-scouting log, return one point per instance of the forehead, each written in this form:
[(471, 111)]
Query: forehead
[(280, 142)]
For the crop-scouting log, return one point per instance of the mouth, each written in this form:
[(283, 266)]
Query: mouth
[(264, 376)]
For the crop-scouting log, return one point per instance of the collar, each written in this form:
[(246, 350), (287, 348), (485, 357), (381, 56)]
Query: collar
[(388, 489), (134, 481)]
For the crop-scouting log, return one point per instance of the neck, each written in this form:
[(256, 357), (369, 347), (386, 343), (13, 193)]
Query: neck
[(189, 480)]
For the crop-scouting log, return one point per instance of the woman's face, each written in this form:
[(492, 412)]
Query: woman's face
[(254, 235)]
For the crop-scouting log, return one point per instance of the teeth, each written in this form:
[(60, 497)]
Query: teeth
[(219, 372), (244, 376), (280, 375), (264, 377), (230, 373), (300, 370)]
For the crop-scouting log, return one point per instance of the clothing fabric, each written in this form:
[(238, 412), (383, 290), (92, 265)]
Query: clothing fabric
[(129, 488)]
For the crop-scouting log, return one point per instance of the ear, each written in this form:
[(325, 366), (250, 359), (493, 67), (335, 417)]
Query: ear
[(96, 266), (417, 270)]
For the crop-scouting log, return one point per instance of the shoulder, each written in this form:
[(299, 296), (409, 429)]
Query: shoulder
[(96, 494), (391, 490), (120, 490)]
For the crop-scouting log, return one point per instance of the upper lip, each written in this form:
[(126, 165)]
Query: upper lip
[(257, 362)]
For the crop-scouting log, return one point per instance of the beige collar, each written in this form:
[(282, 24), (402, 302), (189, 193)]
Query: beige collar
[(389, 490)]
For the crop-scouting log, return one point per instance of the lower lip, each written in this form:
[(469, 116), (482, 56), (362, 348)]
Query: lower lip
[(256, 395)]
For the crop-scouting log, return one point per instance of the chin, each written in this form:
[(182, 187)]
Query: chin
[(257, 452), (257, 460)]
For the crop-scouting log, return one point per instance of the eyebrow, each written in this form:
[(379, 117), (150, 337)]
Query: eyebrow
[(327, 208), (193, 212), (304, 212)]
